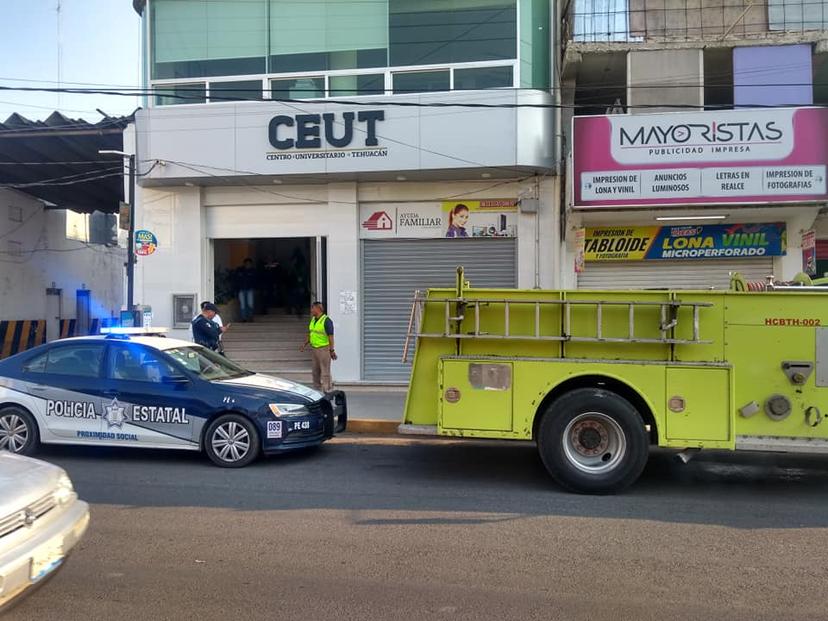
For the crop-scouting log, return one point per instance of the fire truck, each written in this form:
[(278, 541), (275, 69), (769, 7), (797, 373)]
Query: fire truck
[(596, 378)]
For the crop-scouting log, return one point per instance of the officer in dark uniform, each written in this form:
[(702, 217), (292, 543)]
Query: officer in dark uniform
[(206, 332)]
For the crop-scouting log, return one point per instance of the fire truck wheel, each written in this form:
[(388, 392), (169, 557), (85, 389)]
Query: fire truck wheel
[(593, 441)]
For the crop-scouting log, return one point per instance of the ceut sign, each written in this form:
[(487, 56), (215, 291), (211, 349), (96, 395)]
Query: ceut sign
[(307, 131)]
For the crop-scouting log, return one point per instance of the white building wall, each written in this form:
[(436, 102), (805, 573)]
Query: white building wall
[(48, 259), (186, 220)]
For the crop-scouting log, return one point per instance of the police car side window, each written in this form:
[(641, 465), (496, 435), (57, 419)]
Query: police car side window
[(79, 360), (138, 364), (36, 364)]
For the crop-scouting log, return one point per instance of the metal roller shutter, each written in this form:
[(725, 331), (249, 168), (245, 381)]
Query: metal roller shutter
[(393, 269), (671, 274)]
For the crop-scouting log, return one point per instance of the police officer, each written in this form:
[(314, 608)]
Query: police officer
[(321, 340), (206, 332)]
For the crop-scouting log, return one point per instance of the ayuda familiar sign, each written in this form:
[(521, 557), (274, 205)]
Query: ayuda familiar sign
[(720, 241)]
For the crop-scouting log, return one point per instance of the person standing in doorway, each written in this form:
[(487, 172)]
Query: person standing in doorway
[(246, 282), (321, 340)]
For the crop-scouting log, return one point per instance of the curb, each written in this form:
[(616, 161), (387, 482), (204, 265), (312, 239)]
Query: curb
[(370, 425)]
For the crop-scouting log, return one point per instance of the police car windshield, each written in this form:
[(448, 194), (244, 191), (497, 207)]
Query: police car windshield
[(207, 364)]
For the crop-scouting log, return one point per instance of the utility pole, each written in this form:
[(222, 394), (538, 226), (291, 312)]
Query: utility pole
[(130, 263)]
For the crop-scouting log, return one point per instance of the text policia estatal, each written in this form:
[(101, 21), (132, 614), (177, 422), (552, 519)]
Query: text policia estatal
[(139, 413)]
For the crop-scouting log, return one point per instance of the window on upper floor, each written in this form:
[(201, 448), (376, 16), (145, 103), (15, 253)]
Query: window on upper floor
[(204, 38), (242, 90), (174, 94), (344, 47), (197, 38), (797, 15), (427, 32)]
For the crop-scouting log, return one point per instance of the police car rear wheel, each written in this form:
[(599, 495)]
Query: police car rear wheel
[(231, 441), (18, 431)]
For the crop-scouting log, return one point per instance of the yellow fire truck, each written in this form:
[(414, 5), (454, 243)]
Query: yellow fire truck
[(596, 377)]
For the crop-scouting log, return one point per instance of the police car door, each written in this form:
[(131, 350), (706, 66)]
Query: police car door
[(151, 400), (65, 382)]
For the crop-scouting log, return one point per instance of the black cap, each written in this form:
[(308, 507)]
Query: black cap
[(210, 307)]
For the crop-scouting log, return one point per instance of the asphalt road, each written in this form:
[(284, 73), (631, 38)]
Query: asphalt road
[(372, 528)]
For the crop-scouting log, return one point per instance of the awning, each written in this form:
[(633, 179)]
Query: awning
[(57, 161)]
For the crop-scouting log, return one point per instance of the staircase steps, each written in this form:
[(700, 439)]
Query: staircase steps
[(270, 344)]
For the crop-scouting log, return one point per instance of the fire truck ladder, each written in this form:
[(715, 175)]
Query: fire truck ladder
[(458, 309)]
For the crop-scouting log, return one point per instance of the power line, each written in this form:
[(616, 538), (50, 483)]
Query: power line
[(403, 104)]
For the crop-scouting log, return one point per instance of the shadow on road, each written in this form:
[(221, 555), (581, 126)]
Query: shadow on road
[(358, 473)]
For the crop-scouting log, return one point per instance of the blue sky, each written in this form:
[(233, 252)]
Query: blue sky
[(100, 43)]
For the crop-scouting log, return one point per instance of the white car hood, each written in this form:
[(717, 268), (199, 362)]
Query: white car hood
[(24, 480), (259, 380)]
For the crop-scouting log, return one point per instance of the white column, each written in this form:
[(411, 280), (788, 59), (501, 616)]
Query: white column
[(344, 277)]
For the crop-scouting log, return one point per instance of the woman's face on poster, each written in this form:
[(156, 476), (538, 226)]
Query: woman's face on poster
[(461, 217)]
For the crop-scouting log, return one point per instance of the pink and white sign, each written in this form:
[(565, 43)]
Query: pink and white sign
[(691, 158)]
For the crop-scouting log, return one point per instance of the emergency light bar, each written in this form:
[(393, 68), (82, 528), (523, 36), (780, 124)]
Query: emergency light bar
[(145, 331)]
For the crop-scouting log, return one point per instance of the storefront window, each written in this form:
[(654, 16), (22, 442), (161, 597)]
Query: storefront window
[(425, 32), (198, 38), (483, 77), (421, 81), (345, 85), (328, 34), (298, 88), (236, 91), (181, 94)]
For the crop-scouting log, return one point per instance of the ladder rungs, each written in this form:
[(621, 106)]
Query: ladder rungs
[(572, 339)]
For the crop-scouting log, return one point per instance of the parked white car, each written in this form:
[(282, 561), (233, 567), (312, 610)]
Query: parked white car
[(41, 520)]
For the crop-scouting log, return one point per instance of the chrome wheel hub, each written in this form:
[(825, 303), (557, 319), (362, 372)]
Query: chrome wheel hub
[(594, 443), (231, 441), (14, 433)]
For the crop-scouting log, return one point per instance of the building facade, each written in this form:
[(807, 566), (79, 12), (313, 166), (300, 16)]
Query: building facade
[(363, 149), (55, 276), (695, 141)]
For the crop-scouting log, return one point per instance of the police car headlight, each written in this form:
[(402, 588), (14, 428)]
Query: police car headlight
[(287, 409), (65, 492)]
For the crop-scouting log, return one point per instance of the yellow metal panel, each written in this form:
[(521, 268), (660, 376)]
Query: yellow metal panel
[(476, 408), (757, 353), (706, 396)]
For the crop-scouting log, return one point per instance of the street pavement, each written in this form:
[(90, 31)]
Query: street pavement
[(384, 528)]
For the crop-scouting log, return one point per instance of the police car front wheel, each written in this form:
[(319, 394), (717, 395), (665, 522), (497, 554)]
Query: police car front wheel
[(232, 441), (18, 431)]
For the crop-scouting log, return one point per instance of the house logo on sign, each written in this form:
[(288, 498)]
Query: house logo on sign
[(379, 221)]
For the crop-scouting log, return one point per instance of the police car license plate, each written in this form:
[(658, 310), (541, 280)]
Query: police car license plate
[(46, 558)]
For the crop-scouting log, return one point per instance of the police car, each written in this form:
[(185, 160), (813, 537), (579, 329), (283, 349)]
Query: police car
[(136, 388)]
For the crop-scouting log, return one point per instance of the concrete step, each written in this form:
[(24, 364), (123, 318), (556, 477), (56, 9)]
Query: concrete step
[(271, 362), (279, 318), (266, 357), (302, 377), (261, 345), (258, 330)]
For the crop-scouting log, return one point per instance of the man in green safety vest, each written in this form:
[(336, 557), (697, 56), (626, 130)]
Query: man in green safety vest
[(321, 341)]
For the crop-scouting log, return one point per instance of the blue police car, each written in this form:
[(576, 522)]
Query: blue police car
[(157, 392)]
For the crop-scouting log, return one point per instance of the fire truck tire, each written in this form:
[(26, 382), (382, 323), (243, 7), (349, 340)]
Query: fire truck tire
[(593, 441)]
